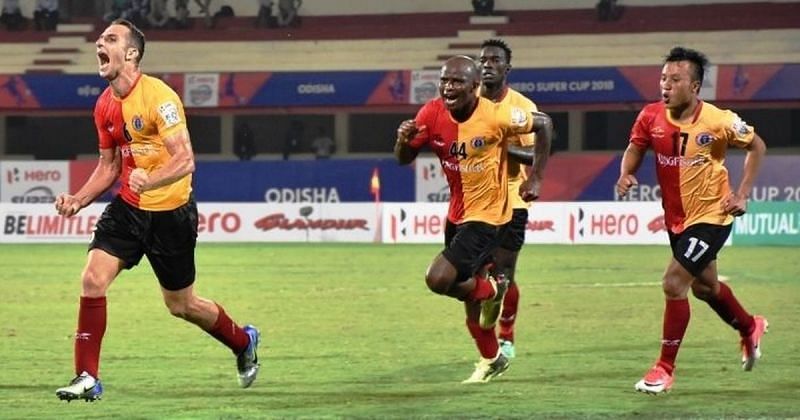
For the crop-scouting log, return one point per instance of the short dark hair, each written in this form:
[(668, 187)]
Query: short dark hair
[(136, 37), (693, 56), (499, 43)]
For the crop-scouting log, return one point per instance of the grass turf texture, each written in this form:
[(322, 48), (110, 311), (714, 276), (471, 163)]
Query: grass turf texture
[(352, 331)]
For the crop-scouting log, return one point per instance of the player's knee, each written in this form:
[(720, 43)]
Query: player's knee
[(703, 291), (93, 284), (674, 286), (178, 309), (437, 284)]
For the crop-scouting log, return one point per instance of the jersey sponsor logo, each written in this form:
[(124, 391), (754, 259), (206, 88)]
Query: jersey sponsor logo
[(169, 113), (680, 161), (740, 127), (137, 123), (478, 142), (519, 118), (704, 139), (463, 167)]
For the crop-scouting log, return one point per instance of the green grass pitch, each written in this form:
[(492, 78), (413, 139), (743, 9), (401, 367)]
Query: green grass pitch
[(351, 331)]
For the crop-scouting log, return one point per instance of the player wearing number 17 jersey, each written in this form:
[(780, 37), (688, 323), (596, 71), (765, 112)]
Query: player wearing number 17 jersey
[(470, 135), (689, 138)]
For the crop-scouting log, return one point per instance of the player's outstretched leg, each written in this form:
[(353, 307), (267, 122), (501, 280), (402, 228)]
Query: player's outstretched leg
[(247, 361), (82, 387), (751, 343)]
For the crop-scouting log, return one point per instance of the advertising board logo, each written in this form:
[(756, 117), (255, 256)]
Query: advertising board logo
[(441, 196), (35, 195), (302, 195), (12, 175), (576, 223), (304, 221), (540, 225), (399, 225)]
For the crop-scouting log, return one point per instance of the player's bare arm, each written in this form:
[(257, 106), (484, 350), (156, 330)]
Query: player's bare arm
[(108, 168), (406, 132), (736, 203), (543, 127), (180, 164), (631, 161)]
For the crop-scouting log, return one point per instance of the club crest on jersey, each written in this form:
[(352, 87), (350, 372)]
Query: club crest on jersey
[(478, 142), (518, 117), (657, 132), (704, 139), (137, 123)]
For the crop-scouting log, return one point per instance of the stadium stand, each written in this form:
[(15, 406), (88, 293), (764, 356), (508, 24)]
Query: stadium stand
[(766, 33)]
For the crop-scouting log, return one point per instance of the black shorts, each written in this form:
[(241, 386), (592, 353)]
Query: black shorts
[(469, 246), (698, 245), (514, 231), (168, 238)]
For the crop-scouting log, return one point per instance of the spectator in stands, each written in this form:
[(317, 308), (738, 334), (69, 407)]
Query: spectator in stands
[(293, 138), (287, 12), (483, 7), (12, 15), (244, 145), (265, 19), (205, 10), (608, 10), (45, 15), (158, 16), (323, 145), (115, 9), (181, 19), (138, 12)]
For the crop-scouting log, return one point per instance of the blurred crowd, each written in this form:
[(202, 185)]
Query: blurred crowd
[(160, 14)]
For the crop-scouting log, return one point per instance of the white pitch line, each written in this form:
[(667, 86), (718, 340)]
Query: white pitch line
[(628, 284)]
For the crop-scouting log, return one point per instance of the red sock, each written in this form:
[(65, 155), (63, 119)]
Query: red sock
[(484, 339), (509, 315), (676, 319), (731, 311), (89, 336), (483, 289), (228, 333)]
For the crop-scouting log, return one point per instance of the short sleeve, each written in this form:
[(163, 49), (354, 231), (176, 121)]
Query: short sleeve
[(514, 120), (640, 132), (425, 117), (737, 132), (528, 139), (167, 110), (101, 121)]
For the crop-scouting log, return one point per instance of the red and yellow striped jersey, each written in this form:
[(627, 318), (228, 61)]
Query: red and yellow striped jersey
[(473, 155), (137, 124), (516, 171), (690, 161)]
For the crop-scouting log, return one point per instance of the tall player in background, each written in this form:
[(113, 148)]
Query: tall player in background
[(495, 62), (145, 143), (469, 135), (690, 138)]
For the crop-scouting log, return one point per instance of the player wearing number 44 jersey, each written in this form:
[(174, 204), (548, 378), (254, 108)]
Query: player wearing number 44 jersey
[(689, 138), (470, 136)]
